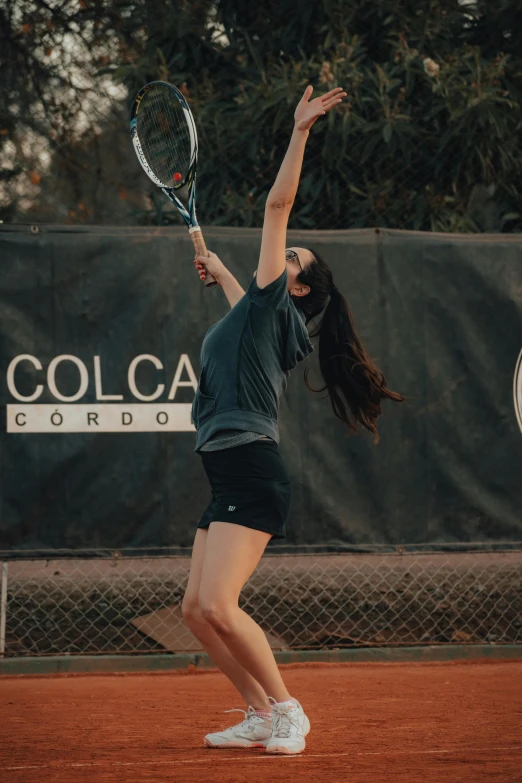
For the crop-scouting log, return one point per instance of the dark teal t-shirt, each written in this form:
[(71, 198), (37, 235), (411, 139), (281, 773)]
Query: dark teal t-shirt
[(245, 361)]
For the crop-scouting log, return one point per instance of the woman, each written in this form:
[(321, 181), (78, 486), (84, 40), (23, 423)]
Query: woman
[(245, 361)]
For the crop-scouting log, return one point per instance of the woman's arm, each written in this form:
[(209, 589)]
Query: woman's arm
[(279, 202), (213, 264), (282, 194), (285, 186), (232, 289)]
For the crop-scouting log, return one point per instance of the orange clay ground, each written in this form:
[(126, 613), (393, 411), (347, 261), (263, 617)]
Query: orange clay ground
[(427, 722)]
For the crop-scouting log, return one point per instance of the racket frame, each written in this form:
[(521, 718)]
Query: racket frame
[(188, 212)]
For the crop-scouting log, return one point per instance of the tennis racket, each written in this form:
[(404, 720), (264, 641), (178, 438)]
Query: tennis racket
[(164, 136)]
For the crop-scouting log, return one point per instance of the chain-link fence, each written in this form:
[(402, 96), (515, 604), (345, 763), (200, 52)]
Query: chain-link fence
[(125, 604)]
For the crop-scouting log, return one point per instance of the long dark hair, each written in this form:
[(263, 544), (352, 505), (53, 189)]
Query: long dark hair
[(355, 385)]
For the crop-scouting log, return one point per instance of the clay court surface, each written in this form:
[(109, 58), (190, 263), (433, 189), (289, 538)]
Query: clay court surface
[(429, 722)]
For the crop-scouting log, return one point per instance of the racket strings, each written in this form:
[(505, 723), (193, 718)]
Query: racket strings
[(165, 136)]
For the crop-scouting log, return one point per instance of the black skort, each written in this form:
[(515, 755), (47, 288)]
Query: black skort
[(250, 486)]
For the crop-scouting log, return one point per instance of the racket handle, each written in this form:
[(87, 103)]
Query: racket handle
[(201, 250)]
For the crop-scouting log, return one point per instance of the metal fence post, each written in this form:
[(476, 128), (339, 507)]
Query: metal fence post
[(3, 608)]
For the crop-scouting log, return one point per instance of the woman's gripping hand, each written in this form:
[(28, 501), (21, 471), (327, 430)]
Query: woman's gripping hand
[(213, 265), (308, 111)]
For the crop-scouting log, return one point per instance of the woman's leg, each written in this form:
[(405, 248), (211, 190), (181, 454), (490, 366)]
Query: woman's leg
[(248, 687), (232, 553)]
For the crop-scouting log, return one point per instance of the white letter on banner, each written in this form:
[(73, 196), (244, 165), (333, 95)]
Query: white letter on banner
[(84, 377), (98, 383), (517, 390), (184, 361), (10, 378), (132, 377)]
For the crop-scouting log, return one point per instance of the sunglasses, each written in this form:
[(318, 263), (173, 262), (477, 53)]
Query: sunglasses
[(290, 255)]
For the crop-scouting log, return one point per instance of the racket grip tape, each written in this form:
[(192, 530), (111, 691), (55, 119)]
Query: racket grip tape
[(201, 250)]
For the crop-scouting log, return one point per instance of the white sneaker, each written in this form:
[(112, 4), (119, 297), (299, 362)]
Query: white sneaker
[(253, 732), (290, 726)]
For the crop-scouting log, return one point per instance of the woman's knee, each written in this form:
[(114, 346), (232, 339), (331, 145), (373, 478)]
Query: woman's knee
[(218, 614), (191, 611)]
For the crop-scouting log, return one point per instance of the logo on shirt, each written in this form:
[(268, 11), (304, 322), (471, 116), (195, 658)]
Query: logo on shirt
[(231, 508)]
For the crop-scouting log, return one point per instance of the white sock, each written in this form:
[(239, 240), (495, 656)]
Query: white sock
[(267, 714)]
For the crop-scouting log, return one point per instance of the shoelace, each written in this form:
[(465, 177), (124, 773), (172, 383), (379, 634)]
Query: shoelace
[(283, 723), (247, 720)]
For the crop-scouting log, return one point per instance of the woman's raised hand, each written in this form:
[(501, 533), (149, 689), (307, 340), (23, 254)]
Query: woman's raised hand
[(308, 111)]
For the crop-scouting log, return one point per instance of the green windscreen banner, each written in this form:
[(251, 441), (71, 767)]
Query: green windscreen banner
[(101, 330)]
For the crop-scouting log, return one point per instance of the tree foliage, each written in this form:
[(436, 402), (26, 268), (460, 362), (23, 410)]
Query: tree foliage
[(429, 137)]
